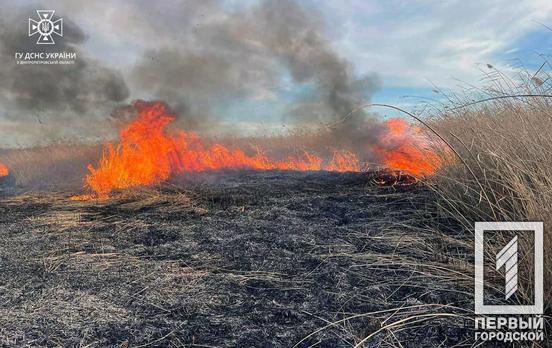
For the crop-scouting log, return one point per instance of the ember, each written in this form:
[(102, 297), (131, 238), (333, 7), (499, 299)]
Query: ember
[(394, 178), (4, 171)]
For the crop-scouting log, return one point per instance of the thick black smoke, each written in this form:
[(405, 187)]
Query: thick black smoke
[(218, 55), (297, 39), (58, 94), (196, 55)]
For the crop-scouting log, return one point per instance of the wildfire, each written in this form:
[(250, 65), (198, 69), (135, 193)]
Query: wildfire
[(407, 149), (4, 171), (148, 154)]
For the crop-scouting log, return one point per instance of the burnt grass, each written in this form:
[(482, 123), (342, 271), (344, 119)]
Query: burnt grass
[(235, 259)]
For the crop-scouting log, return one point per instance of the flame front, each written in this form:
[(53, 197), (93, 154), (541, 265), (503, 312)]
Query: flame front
[(148, 154), (407, 149), (4, 171)]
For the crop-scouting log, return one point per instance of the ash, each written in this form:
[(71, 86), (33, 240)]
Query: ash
[(244, 259)]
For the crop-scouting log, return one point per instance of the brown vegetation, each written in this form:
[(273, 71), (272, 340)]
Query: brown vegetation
[(246, 258), (503, 137)]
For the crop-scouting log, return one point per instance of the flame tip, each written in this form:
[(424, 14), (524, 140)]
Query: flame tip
[(148, 154)]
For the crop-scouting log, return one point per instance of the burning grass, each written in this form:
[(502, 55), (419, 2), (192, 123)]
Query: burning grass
[(263, 255), (408, 149), (148, 154), (4, 171)]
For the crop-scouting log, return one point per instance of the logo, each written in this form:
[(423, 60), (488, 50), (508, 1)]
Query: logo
[(507, 260), (45, 27)]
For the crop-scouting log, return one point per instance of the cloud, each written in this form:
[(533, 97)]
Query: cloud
[(408, 43), (317, 56), (416, 43)]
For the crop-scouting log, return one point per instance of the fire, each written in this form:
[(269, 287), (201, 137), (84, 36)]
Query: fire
[(407, 149), (344, 161), (4, 171), (148, 154)]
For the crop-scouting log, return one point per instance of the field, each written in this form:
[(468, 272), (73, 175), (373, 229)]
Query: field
[(235, 259), (270, 257), (276, 173)]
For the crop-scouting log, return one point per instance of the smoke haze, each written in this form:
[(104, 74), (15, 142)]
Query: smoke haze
[(53, 94), (193, 55)]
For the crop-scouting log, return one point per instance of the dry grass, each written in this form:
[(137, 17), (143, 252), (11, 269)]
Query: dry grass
[(505, 141), (360, 265), (54, 167), (500, 169)]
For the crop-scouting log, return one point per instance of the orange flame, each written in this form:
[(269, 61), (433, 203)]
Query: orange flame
[(147, 154), (407, 149), (4, 171)]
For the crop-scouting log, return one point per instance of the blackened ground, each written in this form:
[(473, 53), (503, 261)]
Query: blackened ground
[(240, 259)]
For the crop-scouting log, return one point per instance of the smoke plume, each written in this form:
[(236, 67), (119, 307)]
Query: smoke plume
[(244, 55), (59, 95), (195, 55)]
